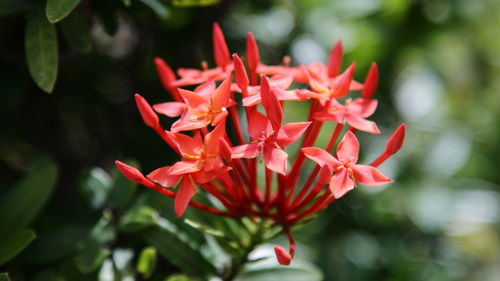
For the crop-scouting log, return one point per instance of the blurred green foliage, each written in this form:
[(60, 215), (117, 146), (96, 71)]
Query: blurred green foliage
[(73, 217)]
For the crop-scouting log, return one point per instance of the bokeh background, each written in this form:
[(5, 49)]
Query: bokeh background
[(439, 63)]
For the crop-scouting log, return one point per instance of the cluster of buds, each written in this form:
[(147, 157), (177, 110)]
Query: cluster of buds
[(225, 165)]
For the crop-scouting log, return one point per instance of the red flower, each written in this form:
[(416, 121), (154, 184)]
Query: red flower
[(346, 172)]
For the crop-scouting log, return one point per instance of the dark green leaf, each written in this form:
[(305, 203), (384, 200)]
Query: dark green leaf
[(77, 32), (13, 244), (194, 3), (4, 277), (104, 231), (13, 6), (138, 218), (160, 9), (23, 202), (56, 10), (168, 240), (91, 257), (122, 190), (95, 187), (127, 3), (41, 50), (267, 271), (55, 245), (147, 262), (47, 276)]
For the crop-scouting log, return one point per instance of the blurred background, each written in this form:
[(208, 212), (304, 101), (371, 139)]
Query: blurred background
[(66, 214)]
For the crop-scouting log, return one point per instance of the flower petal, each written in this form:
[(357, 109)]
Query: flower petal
[(371, 82), (221, 52), (348, 149), (162, 176), (184, 167), (258, 126), (246, 150), (369, 175), (362, 124), (342, 83), (240, 74), (212, 139), (253, 59), (183, 196), (321, 157), (187, 145), (290, 132), (148, 115), (171, 109), (195, 103), (270, 103), (341, 183), (335, 60), (221, 96), (275, 159)]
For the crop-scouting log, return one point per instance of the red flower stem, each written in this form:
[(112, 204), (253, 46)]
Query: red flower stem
[(161, 132), (299, 161), (282, 185), (334, 137), (381, 159), (300, 201), (214, 190), (236, 123), (267, 198), (319, 204), (200, 206)]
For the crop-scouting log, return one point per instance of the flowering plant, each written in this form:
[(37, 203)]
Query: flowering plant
[(226, 164)]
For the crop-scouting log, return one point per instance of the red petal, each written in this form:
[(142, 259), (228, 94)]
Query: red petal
[(186, 144), (252, 100), (335, 60), (246, 150), (364, 107), (343, 82), (195, 102), (290, 132), (184, 167), (171, 109), (282, 81), (147, 113), (221, 96), (163, 177), (213, 138), (270, 103), (361, 124), (252, 53), (321, 157), (348, 149), (221, 52), (341, 183), (258, 126), (275, 159), (371, 82), (206, 89), (240, 74), (325, 175), (369, 175), (130, 172), (183, 196), (167, 75), (284, 257), (396, 140)]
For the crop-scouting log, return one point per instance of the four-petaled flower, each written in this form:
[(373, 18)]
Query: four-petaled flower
[(346, 172)]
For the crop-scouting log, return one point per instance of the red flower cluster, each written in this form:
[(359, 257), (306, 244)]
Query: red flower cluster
[(226, 168)]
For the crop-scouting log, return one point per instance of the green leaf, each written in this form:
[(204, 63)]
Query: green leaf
[(55, 245), (4, 277), (56, 10), (138, 218), (47, 276), (194, 3), (8, 7), (167, 239), (122, 190), (160, 9), (23, 202), (267, 271), (77, 32), (181, 277), (13, 244), (41, 50), (127, 3), (92, 256), (147, 262), (95, 187)]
